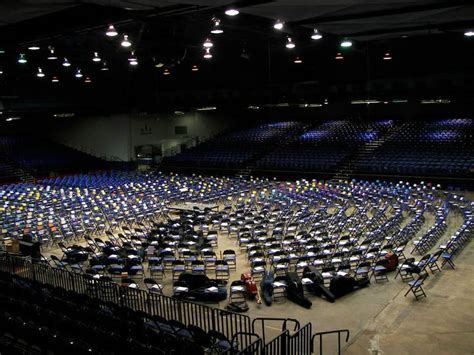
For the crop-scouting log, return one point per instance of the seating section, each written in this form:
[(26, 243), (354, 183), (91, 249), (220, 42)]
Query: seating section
[(323, 149), (434, 148), (232, 150), (40, 156)]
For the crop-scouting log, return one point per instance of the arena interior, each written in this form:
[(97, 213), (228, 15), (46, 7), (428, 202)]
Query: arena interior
[(281, 177)]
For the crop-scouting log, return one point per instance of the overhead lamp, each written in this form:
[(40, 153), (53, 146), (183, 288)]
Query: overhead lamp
[(66, 63), (387, 56), (96, 57), (2, 51), (207, 53), (469, 33), (34, 48), (51, 55), (111, 31), (22, 59), (166, 72), (55, 79), (339, 56), (125, 42), (78, 74), (159, 65), (133, 59), (346, 43), (207, 43), (298, 60), (88, 80), (40, 73), (1, 72), (290, 44), (278, 25), (104, 67), (217, 29), (232, 12), (316, 35), (194, 68)]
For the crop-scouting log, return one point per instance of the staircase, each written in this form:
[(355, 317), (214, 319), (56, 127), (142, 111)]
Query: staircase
[(365, 151)]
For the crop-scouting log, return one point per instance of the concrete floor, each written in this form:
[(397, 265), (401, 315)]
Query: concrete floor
[(380, 319)]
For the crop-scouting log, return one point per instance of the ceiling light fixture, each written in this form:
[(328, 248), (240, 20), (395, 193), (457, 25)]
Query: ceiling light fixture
[(194, 68), (469, 33), (104, 67), (111, 31), (387, 56), (232, 12), (96, 57), (217, 29), (133, 59), (51, 55), (166, 72), (346, 43), (290, 44), (278, 25), (208, 54), (34, 48), (40, 73), (78, 74), (66, 63), (22, 59), (316, 35), (88, 80), (126, 43), (298, 60), (207, 43), (55, 79), (339, 56)]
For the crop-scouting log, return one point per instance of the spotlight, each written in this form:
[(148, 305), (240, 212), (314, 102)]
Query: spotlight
[(346, 43), (217, 29), (55, 79), (387, 56), (34, 48), (207, 43), (208, 54), (316, 35), (78, 74), (51, 55), (194, 68), (1, 72), (104, 67), (339, 56), (66, 63), (22, 59), (232, 12), (290, 44), (469, 33), (126, 43), (96, 57), (111, 31), (40, 73), (298, 60), (278, 25)]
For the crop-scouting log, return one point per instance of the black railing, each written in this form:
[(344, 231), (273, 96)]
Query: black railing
[(283, 321), (278, 345), (321, 334)]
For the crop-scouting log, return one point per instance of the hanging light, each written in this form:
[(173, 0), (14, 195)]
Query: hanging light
[(290, 44), (1, 72), (298, 60), (166, 72), (207, 43), (195, 68), (111, 31), (339, 56), (217, 29), (55, 79), (66, 63), (88, 80), (78, 74), (51, 55), (22, 59), (104, 67), (316, 35), (126, 43), (469, 33), (346, 43), (232, 12), (278, 25), (34, 48), (96, 57), (40, 73), (207, 53), (387, 56), (133, 59)]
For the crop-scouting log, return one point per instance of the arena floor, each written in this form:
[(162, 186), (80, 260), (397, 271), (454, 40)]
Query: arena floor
[(380, 319)]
